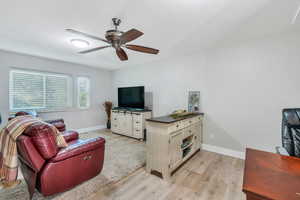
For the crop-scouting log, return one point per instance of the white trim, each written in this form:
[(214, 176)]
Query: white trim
[(89, 129), (224, 151)]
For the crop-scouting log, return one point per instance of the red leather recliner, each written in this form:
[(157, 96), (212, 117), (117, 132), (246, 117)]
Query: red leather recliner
[(51, 169)]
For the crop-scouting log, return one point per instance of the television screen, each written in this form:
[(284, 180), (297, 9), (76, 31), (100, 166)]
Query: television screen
[(131, 97)]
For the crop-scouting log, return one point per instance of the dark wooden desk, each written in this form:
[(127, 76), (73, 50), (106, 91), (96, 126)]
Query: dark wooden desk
[(270, 176)]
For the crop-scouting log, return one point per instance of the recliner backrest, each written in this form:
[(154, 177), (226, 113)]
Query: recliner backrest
[(43, 138)]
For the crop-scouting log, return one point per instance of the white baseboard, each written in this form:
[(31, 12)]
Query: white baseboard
[(207, 147), (224, 151), (93, 128)]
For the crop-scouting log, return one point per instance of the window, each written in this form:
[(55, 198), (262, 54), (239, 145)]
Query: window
[(40, 91), (83, 92)]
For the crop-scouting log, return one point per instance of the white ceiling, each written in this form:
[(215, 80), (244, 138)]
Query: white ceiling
[(175, 27)]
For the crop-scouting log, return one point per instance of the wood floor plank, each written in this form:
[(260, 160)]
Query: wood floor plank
[(206, 176)]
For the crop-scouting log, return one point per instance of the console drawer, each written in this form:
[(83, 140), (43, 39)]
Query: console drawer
[(188, 131), (176, 126), (188, 122), (114, 116), (197, 119), (138, 133), (137, 123)]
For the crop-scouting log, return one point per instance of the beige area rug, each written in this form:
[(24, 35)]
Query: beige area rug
[(123, 156)]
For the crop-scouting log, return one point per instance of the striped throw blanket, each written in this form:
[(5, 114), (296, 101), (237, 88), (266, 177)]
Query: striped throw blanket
[(8, 145)]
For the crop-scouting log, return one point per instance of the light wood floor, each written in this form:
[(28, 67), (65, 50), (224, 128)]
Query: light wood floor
[(207, 176)]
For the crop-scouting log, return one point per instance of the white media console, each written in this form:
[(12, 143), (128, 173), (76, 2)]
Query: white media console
[(130, 123)]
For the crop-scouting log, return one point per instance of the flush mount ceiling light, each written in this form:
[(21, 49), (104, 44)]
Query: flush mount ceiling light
[(79, 43)]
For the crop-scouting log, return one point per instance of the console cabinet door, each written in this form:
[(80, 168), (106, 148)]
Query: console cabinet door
[(125, 124), (115, 122), (197, 135), (175, 151), (128, 124)]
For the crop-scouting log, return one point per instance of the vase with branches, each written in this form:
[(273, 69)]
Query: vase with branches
[(108, 106)]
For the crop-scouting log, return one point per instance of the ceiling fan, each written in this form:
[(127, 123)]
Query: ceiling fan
[(296, 15), (118, 40)]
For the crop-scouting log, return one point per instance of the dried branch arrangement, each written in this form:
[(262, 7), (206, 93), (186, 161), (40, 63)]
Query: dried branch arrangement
[(108, 106)]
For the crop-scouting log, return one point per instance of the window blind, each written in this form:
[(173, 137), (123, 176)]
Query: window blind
[(40, 91)]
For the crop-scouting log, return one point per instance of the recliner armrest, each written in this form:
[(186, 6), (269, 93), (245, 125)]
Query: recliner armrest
[(282, 151), (70, 135), (58, 123), (55, 121), (79, 147)]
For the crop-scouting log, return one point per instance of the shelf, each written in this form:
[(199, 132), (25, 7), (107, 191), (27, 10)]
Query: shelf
[(183, 148), (186, 151)]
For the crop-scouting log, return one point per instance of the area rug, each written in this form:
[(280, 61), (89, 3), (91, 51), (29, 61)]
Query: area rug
[(123, 156)]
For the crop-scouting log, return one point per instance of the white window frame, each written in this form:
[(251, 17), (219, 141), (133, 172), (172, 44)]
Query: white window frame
[(79, 78), (44, 74)]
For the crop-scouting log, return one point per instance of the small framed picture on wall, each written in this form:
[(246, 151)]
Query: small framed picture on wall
[(194, 101)]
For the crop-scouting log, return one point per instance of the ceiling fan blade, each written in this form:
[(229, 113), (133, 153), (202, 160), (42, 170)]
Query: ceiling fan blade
[(87, 35), (94, 49), (142, 49), (121, 54), (130, 35), (296, 16)]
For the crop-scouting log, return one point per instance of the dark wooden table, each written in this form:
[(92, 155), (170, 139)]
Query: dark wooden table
[(270, 176)]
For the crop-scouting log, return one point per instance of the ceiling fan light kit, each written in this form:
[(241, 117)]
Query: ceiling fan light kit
[(80, 43), (118, 40)]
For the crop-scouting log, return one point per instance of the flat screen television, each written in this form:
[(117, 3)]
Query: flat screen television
[(131, 97)]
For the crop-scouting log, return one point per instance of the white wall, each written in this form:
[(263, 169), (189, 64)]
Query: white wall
[(243, 87), (169, 81), (75, 118), (248, 86)]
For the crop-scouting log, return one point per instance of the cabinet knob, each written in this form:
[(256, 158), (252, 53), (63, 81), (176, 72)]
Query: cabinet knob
[(177, 125), (190, 131)]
